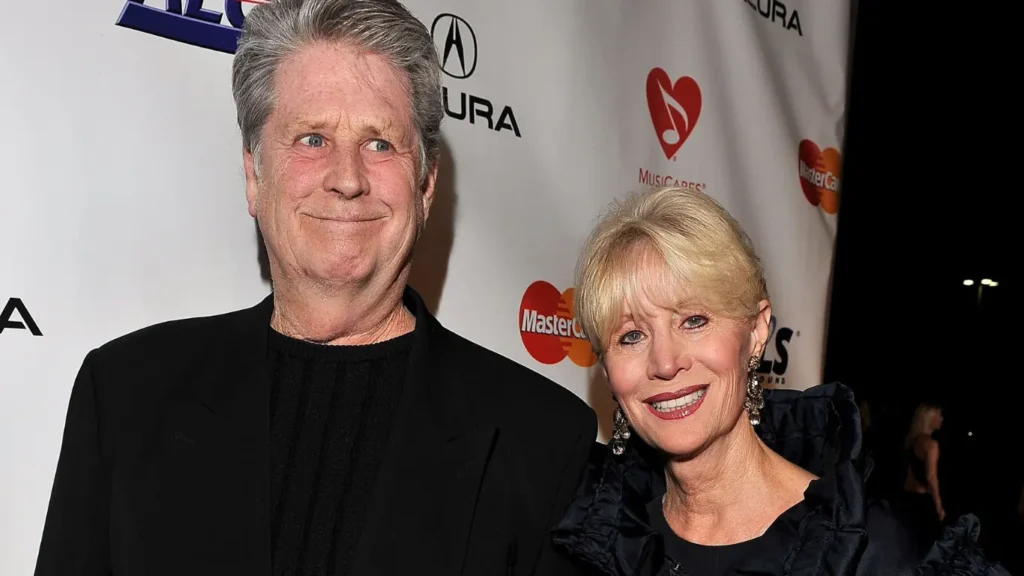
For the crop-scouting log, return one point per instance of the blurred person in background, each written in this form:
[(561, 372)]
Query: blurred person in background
[(707, 473), (921, 484), (336, 427)]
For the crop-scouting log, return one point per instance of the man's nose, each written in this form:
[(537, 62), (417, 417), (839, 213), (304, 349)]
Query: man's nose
[(347, 175)]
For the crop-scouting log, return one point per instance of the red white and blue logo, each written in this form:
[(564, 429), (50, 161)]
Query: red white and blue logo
[(189, 21)]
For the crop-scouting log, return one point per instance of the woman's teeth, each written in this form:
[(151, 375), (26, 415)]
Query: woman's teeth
[(671, 405)]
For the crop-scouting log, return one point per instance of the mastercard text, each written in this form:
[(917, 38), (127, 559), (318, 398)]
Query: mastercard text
[(554, 325), (826, 180)]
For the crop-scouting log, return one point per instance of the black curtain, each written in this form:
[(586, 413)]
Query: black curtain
[(929, 193)]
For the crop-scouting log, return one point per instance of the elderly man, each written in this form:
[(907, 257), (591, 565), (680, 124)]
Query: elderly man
[(336, 427)]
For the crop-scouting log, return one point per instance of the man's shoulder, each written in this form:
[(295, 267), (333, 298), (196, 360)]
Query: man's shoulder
[(518, 386), (173, 339), (133, 375)]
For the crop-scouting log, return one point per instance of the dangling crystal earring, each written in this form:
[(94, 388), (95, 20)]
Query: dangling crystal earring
[(755, 394), (621, 433)]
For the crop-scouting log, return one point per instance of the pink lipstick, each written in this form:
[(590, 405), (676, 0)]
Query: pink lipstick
[(677, 405)]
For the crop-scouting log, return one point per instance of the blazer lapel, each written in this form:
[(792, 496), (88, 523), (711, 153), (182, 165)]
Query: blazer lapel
[(220, 454), (421, 510)]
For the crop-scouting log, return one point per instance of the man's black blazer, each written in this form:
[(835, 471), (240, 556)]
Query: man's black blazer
[(164, 464)]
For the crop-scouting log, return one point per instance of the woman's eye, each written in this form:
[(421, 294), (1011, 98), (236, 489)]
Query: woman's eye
[(379, 145), (313, 140), (695, 322), (631, 337)]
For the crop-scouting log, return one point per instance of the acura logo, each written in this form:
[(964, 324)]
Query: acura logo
[(456, 44)]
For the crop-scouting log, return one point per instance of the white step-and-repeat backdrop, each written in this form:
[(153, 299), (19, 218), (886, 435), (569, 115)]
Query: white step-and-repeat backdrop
[(122, 199)]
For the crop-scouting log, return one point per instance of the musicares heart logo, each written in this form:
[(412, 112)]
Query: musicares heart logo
[(674, 109)]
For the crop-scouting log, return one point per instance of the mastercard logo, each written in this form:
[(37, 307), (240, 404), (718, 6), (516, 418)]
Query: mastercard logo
[(549, 328), (819, 175)]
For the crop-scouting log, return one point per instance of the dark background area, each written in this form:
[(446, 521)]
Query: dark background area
[(929, 196)]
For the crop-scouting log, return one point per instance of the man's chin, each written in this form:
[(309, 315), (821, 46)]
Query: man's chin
[(339, 274)]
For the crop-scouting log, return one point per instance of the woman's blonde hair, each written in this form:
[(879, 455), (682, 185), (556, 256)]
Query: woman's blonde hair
[(923, 422), (684, 234)]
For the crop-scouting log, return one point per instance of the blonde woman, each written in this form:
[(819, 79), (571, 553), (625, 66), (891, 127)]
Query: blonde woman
[(707, 474), (922, 478)]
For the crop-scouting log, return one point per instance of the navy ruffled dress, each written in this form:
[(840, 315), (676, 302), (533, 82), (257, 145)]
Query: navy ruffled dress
[(612, 527)]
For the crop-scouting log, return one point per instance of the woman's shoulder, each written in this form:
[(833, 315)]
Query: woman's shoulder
[(605, 526), (923, 447), (925, 442)]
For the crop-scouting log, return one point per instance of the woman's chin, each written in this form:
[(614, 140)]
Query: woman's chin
[(680, 449)]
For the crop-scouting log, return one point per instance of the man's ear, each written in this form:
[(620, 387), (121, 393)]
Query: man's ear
[(428, 188), (251, 181)]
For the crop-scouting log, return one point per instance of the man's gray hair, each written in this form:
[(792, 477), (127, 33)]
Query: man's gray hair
[(281, 28)]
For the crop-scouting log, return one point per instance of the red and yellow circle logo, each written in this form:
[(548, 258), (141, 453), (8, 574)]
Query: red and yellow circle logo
[(819, 175), (548, 327)]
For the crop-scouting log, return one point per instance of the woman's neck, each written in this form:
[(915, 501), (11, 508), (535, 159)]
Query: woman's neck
[(732, 491)]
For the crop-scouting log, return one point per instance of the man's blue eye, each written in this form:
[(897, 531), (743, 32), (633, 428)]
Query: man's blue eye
[(313, 140), (380, 145)]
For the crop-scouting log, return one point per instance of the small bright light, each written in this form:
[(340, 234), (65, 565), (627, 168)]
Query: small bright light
[(968, 282), (986, 282), (993, 284), (969, 433)]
